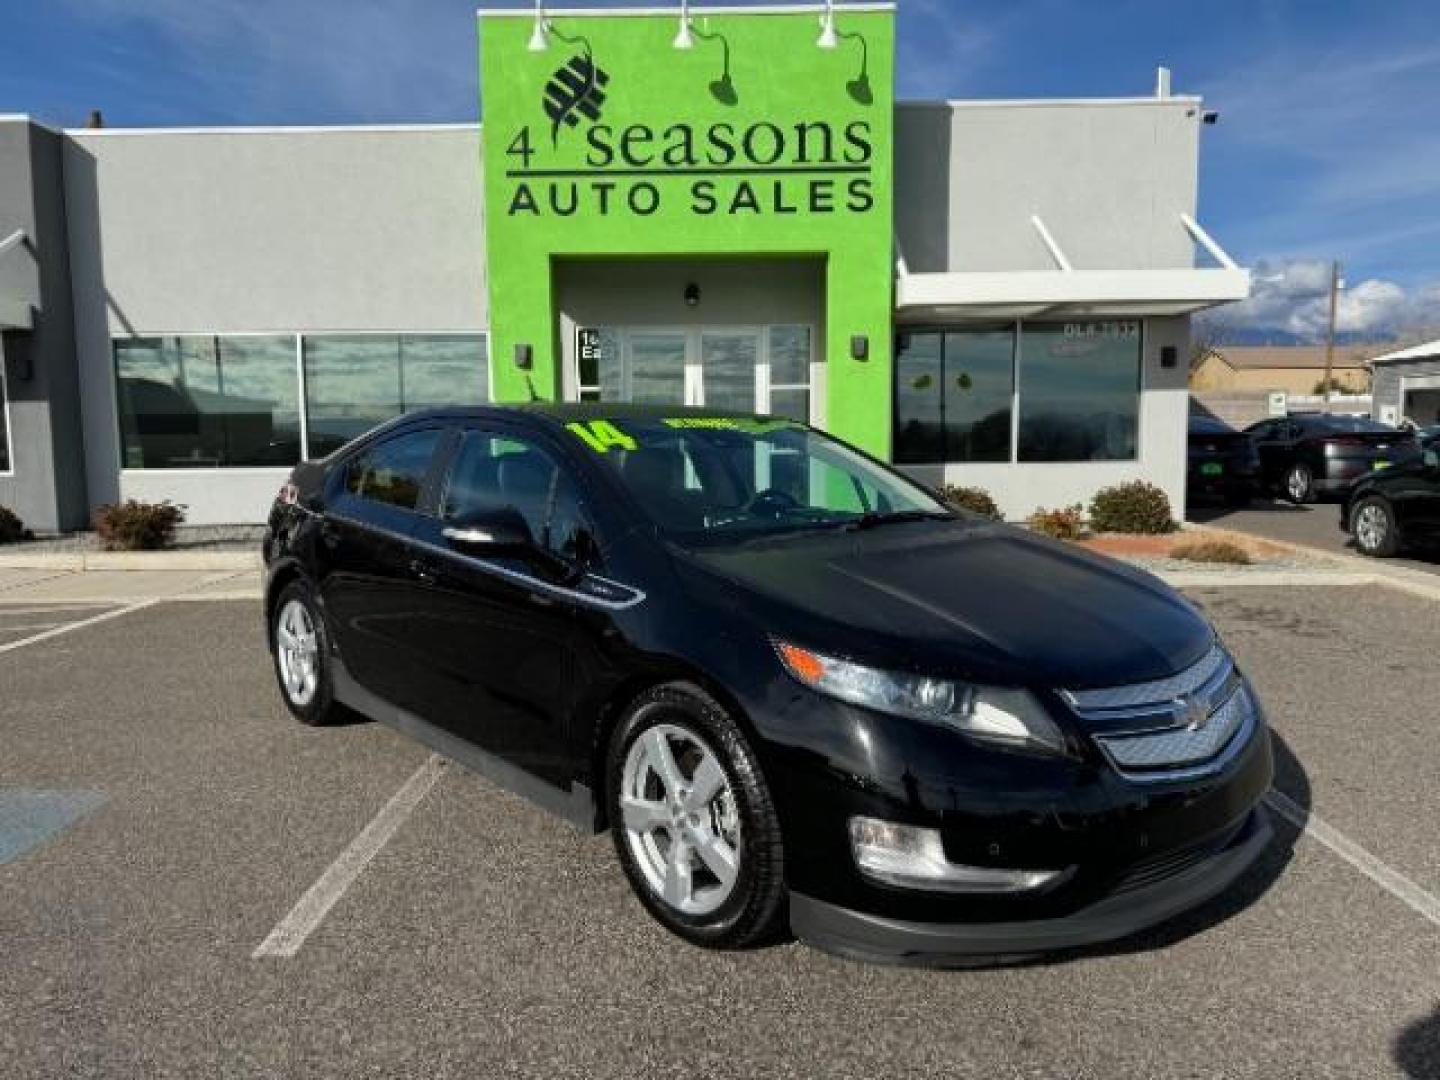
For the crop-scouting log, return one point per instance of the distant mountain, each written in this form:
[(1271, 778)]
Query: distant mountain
[(1260, 335)]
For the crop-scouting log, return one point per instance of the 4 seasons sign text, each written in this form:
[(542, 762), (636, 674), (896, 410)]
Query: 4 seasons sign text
[(577, 164)]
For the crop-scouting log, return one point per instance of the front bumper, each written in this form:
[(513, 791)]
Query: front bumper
[(1122, 913)]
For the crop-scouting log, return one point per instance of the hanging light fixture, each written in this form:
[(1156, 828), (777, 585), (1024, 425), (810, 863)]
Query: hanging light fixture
[(683, 38), (539, 39), (828, 39)]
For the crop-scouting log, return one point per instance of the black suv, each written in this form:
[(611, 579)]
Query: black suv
[(795, 685)]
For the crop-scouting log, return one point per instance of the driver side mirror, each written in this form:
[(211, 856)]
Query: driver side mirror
[(498, 531)]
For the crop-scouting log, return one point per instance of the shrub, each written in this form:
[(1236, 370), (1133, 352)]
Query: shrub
[(1136, 507), (12, 529), (138, 526), (976, 500), (1205, 549), (1067, 523)]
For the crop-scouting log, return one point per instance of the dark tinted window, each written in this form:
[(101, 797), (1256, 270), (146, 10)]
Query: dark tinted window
[(207, 402), (953, 395), (393, 471), (494, 471), (1079, 391)]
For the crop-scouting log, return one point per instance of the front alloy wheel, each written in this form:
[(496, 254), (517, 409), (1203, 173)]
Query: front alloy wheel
[(680, 820), (695, 829), (1374, 527)]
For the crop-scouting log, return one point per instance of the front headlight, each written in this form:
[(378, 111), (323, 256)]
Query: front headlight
[(1012, 718)]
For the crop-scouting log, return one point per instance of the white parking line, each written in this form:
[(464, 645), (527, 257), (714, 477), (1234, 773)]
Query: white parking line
[(1389, 879), (65, 629), (310, 911)]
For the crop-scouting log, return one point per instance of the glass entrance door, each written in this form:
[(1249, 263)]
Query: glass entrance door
[(727, 369), (745, 369), (654, 366)]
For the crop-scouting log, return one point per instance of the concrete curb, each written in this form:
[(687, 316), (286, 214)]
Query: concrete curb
[(80, 561), (1349, 569)]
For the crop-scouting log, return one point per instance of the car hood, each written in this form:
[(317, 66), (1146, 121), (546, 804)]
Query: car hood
[(985, 602)]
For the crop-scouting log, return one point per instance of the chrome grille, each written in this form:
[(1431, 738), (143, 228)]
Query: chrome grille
[(1150, 693), (1186, 725), (1180, 747)]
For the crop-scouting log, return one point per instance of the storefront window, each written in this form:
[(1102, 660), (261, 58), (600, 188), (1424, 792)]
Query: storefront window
[(953, 395), (5, 465), (355, 381), (1079, 391), (207, 402)]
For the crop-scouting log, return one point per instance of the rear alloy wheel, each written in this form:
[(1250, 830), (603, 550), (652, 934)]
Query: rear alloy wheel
[(1373, 525), (1300, 484), (301, 647), (695, 829)]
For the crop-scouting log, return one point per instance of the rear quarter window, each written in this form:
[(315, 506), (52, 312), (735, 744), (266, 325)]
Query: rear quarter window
[(393, 471)]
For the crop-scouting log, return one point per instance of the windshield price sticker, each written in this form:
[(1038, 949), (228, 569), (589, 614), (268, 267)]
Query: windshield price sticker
[(601, 435)]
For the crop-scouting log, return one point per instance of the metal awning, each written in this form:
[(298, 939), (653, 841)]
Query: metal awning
[(15, 314), (1066, 292)]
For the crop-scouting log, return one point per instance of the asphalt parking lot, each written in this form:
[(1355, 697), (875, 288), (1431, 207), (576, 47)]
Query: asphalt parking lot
[(1314, 525), (184, 815)]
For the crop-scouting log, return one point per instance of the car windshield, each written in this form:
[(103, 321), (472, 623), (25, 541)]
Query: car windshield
[(709, 481)]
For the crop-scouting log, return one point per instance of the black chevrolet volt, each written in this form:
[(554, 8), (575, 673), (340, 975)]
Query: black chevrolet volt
[(801, 691)]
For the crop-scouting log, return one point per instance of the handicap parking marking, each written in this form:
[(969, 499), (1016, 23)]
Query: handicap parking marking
[(310, 910), (30, 817)]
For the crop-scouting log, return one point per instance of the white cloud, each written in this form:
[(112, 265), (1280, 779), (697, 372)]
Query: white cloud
[(1292, 296)]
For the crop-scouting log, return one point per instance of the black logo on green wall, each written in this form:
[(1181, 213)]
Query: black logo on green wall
[(575, 90)]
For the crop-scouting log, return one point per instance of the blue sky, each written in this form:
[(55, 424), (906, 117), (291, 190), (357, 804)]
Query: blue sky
[(1328, 144)]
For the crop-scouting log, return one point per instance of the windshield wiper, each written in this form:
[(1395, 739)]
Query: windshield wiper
[(872, 519)]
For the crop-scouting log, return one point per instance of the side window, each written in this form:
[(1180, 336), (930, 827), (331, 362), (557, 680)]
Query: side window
[(1264, 430), (393, 471), (494, 471)]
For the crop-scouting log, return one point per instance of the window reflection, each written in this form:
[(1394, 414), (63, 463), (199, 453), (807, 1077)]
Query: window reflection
[(1078, 395), (205, 402), (4, 418), (354, 382), (1079, 391)]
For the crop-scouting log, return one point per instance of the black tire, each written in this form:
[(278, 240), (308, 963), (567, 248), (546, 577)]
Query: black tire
[(320, 707), (1299, 484), (754, 913), (1382, 538)]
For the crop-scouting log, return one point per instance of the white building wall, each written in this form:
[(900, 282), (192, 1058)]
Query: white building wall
[(1108, 178), (275, 230)]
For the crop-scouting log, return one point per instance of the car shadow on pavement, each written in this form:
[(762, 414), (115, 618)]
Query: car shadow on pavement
[(1211, 514), (1417, 1048), (1291, 780)]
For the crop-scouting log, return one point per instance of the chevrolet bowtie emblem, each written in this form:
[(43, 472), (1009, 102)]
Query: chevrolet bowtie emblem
[(1194, 710)]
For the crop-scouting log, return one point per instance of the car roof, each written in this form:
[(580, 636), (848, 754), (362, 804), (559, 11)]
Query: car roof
[(564, 412)]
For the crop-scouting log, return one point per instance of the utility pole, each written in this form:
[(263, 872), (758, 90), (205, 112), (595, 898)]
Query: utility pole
[(1330, 337)]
